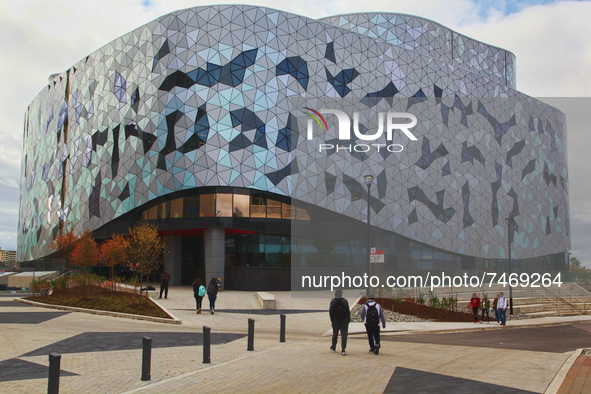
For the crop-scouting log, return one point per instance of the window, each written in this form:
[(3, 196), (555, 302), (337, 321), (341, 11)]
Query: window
[(164, 210), (302, 214), (273, 209), (287, 212), (223, 205), (207, 205), (153, 213), (258, 206), (241, 208), (191, 207), (176, 208)]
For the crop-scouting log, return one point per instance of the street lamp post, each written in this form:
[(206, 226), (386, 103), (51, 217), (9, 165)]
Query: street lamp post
[(368, 181), (510, 226)]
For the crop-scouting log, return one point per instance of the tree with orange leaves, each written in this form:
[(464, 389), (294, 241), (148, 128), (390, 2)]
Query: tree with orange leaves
[(114, 252), (64, 244), (146, 248), (86, 254)]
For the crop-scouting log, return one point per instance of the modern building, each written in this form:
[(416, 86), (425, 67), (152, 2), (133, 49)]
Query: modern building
[(7, 258), (189, 122)]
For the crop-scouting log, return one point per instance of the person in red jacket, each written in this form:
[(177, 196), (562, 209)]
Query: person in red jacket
[(475, 303)]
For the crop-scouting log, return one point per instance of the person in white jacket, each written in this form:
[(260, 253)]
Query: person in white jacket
[(502, 308), (372, 314)]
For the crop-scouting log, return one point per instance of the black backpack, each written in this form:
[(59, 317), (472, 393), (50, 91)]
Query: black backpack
[(211, 289), (340, 311), (372, 319)]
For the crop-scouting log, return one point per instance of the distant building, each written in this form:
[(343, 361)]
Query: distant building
[(7, 258)]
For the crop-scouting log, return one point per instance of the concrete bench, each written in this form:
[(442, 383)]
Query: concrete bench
[(151, 293), (266, 300)]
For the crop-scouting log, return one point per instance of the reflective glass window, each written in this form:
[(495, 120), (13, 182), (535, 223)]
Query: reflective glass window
[(164, 210), (176, 208), (273, 209), (153, 213), (207, 205), (241, 208), (287, 211), (191, 206), (302, 214), (224, 205), (258, 206)]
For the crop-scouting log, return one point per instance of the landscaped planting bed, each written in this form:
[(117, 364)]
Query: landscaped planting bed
[(104, 300), (422, 311)]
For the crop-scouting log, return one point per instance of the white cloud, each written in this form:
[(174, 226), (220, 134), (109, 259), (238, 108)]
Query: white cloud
[(8, 182)]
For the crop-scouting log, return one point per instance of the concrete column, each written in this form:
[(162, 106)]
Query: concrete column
[(215, 254), (172, 258)]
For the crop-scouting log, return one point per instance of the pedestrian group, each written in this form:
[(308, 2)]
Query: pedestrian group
[(499, 307), (340, 317)]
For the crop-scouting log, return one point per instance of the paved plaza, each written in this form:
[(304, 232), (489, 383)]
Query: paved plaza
[(102, 354)]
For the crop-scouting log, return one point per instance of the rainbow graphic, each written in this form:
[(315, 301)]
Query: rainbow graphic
[(316, 119)]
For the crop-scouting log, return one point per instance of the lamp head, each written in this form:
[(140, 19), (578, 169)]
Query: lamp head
[(368, 179)]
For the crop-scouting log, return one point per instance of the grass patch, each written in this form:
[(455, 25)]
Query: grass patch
[(103, 300)]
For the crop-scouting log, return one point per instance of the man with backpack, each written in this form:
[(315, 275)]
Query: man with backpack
[(340, 316), (371, 314)]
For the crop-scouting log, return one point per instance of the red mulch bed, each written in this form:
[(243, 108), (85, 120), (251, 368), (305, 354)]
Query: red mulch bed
[(422, 311), (104, 300)]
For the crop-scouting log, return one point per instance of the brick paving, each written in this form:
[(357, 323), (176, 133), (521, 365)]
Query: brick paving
[(101, 354), (578, 378)]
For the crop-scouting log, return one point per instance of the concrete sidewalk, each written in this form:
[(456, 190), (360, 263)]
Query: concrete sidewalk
[(102, 354)]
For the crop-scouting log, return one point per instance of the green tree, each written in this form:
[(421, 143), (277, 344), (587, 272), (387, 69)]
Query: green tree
[(574, 262), (146, 249), (580, 272)]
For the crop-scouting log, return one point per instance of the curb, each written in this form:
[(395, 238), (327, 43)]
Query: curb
[(174, 319), (392, 332), (555, 384)]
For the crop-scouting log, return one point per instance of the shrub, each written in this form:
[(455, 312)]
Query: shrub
[(37, 285), (453, 304), (59, 284), (421, 301), (435, 303), (78, 279), (96, 280)]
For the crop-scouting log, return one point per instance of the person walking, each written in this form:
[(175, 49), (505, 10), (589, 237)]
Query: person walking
[(340, 316), (164, 279), (485, 308), (502, 307), (371, 314), (475, 303), (198, 293), (212, 294), (495, 301)]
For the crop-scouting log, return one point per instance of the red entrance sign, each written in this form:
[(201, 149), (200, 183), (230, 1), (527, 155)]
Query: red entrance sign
[(377, 256)]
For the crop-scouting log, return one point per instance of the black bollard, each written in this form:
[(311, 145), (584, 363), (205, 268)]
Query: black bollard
[(206, 344), (282, 331), (250, 347), (146, 357), (53, 383)]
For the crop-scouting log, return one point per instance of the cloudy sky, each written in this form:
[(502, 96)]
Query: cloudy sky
[(551, 39)]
